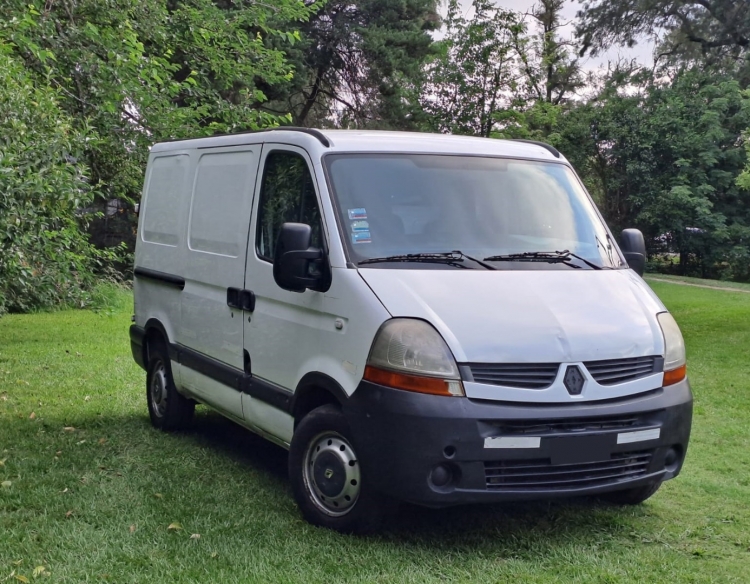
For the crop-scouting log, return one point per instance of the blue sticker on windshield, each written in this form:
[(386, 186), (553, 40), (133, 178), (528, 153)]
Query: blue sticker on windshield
[(359, 226), (357, 214), (361, 237)]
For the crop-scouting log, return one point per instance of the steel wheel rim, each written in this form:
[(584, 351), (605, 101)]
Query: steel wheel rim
[(329, 461), (158, 390)]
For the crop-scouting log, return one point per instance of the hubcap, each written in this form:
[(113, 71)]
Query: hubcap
[(158, 390), (331, 474)]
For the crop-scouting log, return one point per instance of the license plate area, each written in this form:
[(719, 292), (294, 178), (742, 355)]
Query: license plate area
[(580, 449)]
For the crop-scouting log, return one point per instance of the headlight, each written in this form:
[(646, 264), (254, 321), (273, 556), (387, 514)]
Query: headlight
[(675, 368), (409, 354)]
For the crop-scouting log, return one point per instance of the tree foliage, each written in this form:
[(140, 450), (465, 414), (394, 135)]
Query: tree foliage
[(45, 259), (474, 72), (707, 30), (665, 159), (138, 72), (551, 72), (354, 61), (127, 73), (551, 76), (743, 181)]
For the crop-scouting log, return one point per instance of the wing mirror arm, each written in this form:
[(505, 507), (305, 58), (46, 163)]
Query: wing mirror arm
[(311, 253)]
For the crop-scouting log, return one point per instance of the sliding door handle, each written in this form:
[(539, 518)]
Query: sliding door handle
[(233, 298)]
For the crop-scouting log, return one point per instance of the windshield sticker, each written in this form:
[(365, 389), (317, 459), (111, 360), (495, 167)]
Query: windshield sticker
[(361, 237), (357, 214), (359, 226)]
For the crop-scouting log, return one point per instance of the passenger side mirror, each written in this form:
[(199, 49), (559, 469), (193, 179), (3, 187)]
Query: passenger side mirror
[(294, 259), (634, 248)]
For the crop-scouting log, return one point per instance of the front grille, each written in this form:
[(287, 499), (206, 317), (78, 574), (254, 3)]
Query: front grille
[(523, 375), (612, 371), (571, 425), (540, 474)]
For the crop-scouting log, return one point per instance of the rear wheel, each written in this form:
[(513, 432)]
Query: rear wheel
[(634, 496), (326, 477), (167, 408)]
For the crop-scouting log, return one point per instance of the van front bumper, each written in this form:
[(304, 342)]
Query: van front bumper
[(440, 451)]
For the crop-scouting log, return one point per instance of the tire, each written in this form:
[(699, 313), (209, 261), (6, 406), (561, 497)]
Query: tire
[(327, 480), (167, 408), (634, 496)]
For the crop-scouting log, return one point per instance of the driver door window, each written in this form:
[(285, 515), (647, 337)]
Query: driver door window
[(287, 195)]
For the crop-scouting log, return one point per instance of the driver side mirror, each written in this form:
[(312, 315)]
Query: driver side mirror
[(296, 265), (634, 248)]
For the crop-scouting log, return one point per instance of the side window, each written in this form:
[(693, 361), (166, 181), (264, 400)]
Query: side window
[(287, 195), (164, 198), (223, 183)]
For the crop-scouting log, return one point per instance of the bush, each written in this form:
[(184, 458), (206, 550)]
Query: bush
[(45, 258)]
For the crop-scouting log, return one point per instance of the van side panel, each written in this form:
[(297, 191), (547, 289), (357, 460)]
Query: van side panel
[(343, 352), (161, 241), (217, 230)]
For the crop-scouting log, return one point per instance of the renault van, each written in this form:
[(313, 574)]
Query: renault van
[(425, 318)]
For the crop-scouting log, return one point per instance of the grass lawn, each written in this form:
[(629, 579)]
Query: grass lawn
[(698, 282), (89, 490)]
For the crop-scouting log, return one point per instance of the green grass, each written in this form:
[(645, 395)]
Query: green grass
[(699, 281), (93, 488)]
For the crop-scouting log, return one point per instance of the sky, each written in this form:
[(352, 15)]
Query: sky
[(641, 52)]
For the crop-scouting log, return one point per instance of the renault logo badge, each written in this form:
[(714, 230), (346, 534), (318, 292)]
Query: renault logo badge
[(574, 380)]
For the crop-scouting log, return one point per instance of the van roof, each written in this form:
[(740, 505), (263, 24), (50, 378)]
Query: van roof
[(373, 141)]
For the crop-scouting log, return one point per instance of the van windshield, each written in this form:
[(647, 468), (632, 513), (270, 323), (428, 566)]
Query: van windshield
[(515, 214)]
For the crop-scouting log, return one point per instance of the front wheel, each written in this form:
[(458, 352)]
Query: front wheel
[(326, 476)]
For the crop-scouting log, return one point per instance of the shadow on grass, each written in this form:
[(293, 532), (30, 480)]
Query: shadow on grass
[(239, 444), (514, 527), (584, 519)]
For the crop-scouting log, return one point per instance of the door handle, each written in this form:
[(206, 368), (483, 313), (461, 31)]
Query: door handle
[(241, 299), (247, 300), (233, 298)]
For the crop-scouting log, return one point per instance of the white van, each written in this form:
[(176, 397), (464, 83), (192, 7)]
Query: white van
[(416, 317)]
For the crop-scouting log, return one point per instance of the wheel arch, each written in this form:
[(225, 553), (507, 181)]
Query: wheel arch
[(314, 390), (154, 332)]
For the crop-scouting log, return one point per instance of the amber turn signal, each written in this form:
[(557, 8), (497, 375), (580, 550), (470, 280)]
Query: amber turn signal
[(675, 375), (431, 385)]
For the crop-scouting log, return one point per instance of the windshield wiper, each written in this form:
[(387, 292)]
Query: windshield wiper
[(543, 256), (445, 257)]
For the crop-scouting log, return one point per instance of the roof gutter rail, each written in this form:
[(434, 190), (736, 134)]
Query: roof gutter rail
[(554, 151), (320, 136)]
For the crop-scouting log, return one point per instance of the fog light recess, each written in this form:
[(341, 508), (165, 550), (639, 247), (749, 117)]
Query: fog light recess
[(444, 477), (672, 458), (441, 475)]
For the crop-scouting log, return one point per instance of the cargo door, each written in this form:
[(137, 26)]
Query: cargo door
[(211, 332)]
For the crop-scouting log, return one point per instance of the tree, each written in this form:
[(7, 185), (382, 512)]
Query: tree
[(138, 71), (45, 259), (664, 158), (353, 62), (719, 29), (552, 74), (743, 181), (474, 74)]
